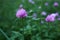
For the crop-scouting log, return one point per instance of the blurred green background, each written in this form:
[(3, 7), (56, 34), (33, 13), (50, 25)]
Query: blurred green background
[(12, 28)]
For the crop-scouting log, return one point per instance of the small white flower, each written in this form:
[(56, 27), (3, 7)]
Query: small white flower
[(30, 11), (43, 13), (31, 1), (39, 7), (21, 5)]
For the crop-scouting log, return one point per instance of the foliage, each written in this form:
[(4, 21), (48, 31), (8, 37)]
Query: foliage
[(28, 28)]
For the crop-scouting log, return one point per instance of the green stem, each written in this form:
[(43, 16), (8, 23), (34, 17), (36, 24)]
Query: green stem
[(4, 34), (23, 26), (48, 25)]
